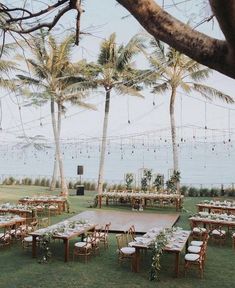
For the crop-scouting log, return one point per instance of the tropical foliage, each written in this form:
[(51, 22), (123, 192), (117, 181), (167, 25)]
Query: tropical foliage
[(51, 78), (113, 71), (173, 72)]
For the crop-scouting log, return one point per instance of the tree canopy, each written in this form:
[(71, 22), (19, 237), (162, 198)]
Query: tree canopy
[(214, 53)]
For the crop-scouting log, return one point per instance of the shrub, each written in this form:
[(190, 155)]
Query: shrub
[(193, 192), (37, 182), (184, 190), (215, 192), (204, 192), (93, 186), (57, 185), (105, 185), (43, 182), (230, 192), (70, 185), (9, 181), (48, 183)]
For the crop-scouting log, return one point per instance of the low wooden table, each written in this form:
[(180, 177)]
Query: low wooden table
[(66, 236), (176, 250), (223, 208), (60, 201), (208, 221), (6, 221), (142, 198)]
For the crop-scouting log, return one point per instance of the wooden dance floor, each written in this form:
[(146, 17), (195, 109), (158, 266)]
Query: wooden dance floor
[(121, 221)]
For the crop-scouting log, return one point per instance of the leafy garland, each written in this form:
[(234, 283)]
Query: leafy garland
[(45, 240), (160, 242)]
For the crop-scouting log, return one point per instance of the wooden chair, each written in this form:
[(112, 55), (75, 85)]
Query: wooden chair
[(124, 252), (103, 235), (195, 259), (130, 234), (31, 226), (196, 249), (94, 239), (198, 231), (84, 248), (201, 242), (218, 235), (5, 236)]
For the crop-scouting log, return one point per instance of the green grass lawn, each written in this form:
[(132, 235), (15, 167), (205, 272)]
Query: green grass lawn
[(19, 270)]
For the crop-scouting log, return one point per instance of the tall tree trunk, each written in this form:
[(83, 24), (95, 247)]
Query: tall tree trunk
[(173, 130), (173, 133), (103, 148), (54, 127), (64, 187), (55, 174), (56, 133)]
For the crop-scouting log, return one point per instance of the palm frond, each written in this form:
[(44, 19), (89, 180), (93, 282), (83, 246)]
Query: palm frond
[(128, 90), (7, 66), (126, 53), (160, 88), (159, 50), (207, 91), (29, 80), (108, 51), (81, 86), (200, 75)]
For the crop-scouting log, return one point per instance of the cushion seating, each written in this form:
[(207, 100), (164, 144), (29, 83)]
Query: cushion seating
[(218, 232), (196, 243), (191, 257), (6, 235), (30, 238), (128, 250), (82, 245), (194, 249), (199, 230)]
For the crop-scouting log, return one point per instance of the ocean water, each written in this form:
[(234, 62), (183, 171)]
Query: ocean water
[(209, 164)]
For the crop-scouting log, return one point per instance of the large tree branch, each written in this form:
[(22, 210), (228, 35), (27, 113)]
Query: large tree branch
[(225, 14), (211, 52)]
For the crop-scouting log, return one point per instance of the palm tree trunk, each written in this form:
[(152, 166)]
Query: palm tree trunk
[(64, 188), (54, 127), (55, 174), (173, 130), (173, 133), (103, 148), (56, 132)]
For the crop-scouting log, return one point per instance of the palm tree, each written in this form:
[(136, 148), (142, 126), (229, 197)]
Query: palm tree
[(52, 73), (114, 71), (176, 71)]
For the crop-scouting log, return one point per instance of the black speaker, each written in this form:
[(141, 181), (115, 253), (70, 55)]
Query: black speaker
[(80, 190), (80, 170)]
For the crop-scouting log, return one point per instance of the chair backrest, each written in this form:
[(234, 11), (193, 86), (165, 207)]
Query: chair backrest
[(130, 234), (121, 241), (107, 227)]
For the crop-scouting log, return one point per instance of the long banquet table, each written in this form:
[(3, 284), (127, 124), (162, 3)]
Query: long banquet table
[(224, 207), (144, 198), (176, 243), (64, 230), (207, 220), (11, 220), (50, 200)]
